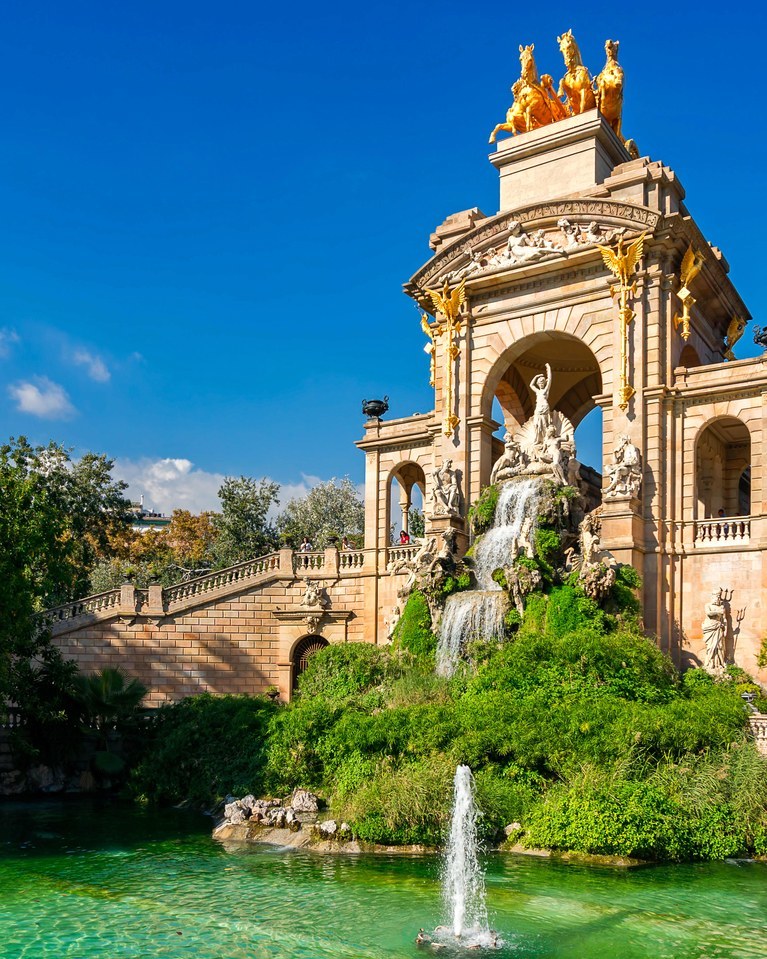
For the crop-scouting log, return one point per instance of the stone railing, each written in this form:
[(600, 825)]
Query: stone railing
[(401, 554), (351, 560), (308, 562), (173, 595), (758, 724), (12, 718), (723, 531), (81, 607)]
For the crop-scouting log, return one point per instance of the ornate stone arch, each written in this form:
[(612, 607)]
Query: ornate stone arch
[(722, 456), (407, 474)]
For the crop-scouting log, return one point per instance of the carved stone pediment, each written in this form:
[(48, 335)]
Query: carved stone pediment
[(544, 219)]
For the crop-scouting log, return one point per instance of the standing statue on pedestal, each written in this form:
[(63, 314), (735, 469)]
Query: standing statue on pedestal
[(714, 628), (541, 386), (625, 471), (446, 495)]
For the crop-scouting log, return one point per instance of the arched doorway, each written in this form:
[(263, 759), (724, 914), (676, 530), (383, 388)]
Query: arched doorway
[(407, 486), (576, 381), (723, 469), (304, 650)]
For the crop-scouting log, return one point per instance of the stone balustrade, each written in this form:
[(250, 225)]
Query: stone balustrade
[(173, 595), (724, 531), (12, 718), (98, 603), (758, 724), (312, 561), (401, 554), (351, 560)]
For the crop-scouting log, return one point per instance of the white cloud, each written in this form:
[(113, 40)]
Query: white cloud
[(7, 339), (170, 483), (42, 397), (95, 366)]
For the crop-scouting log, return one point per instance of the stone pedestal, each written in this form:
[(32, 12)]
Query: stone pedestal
[(438, 524), (560, 159), (622, 530)]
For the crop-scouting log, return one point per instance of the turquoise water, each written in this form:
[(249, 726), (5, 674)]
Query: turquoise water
[(89, 879)]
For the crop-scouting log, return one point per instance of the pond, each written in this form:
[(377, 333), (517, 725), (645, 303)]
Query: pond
[(102, 879)]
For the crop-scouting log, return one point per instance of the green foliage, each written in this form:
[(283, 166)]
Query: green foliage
[(243, 526), (482, 512), (413, 632), (416, 522), (56, 518), (329, 509), (403, 804), (338, 672), (455, 584), (511, 622), (548, 548), (204, 747)]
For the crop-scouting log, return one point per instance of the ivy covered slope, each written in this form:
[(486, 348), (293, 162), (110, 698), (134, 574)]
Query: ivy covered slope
[(578, 728)]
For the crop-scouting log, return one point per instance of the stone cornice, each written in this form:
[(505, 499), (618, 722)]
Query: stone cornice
[(538, 216)]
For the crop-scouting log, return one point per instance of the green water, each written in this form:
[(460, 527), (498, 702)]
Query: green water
[(88, 879)]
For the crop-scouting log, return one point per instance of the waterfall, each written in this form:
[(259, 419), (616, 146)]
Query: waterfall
[(472, 614), (463, 882), (514, 522), (479, 613)]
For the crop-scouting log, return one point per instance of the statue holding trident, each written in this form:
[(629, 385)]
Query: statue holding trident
[(541, 385)]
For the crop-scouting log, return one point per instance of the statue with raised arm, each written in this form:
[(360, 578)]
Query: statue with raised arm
[(541, 386), (625, 472)]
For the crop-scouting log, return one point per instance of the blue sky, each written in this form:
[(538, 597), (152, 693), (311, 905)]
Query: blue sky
[(209, 209)]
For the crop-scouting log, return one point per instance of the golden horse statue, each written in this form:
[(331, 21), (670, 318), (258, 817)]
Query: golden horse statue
[(609, 86), (576, 83), (535, 101)]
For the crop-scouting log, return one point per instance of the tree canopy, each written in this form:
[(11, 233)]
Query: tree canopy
[(331, 509)]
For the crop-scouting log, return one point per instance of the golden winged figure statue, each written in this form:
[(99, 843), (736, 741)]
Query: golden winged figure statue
[(447, 303), (692, 264), (622, 261), (734, 332)]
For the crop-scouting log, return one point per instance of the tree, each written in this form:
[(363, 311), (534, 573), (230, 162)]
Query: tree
[(243, 526), (334, 508), (416, 524), (56, 518)]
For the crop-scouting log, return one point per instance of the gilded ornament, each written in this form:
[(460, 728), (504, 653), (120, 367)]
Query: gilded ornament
[(692, 263), (575, 85), (535, 100), (609, 87), (449, 305), (734, 332), (622, 263)]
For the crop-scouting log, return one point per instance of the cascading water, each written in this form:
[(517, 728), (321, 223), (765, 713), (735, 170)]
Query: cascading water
[(479, 613), (463, 881)]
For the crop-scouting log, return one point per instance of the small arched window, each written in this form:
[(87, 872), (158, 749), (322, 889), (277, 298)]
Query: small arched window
[(303, 652)]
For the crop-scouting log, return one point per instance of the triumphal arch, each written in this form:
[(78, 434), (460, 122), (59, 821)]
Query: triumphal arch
[(590, 288), (593, 265)]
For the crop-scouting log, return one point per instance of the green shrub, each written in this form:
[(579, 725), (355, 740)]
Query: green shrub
[(404, 804), (343, 670), (482, 512), (548, 548), (204, 747), (413, 632), (455, 584)]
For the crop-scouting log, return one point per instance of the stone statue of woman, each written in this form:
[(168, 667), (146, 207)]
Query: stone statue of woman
[(541, 385), (714, 628)]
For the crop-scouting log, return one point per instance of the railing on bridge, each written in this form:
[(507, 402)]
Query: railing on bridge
[(723, 531)]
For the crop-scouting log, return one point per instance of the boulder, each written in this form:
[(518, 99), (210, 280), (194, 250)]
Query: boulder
[(328, 829), (304, 801)]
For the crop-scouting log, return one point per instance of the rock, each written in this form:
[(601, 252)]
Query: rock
[(511, 829), (345, 831), (304, 801), (248, 802), (12, 783), (328, 829), (45, 779)]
